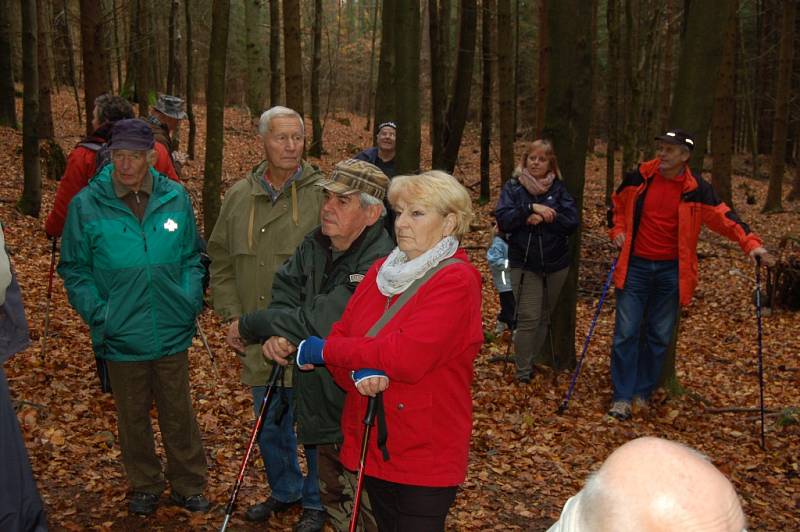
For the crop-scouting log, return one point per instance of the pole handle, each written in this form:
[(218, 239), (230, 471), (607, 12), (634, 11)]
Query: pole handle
[(372, 408)]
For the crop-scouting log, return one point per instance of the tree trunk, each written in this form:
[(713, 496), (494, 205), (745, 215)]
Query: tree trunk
[(316, 121), (505, 89), (256, 75), (275, 94), (71, 64), (486, 98), (385, 105), (215, 105), (544, 60), (370, 91), (517, 73), (724, 114), (666, 72), (438, 83), (190, 82), (406, 52), (31, 201), (292, 55), (8, 108), (630, 60), (567, 117), (612, 89), (94, 56), (117, 50), (173, 64), (780, 123), (44, 125), (462, 83), (701, 55)]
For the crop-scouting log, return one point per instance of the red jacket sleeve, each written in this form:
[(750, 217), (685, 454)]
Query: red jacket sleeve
[(721, 219), (164, 163), (80, 167), (444, 308)]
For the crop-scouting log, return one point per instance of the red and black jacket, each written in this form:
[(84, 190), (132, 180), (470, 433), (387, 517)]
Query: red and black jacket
[(699, 206)]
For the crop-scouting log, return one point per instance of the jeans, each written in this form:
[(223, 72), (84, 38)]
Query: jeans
[(278, 445), (646, 312)]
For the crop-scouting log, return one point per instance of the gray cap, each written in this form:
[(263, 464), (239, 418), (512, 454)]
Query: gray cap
[(171, 106)]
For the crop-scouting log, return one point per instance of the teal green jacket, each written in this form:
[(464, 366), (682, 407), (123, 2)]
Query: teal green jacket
[(137, 285)]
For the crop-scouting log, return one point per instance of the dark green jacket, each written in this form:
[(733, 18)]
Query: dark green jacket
[(309, 294), (137, 285)]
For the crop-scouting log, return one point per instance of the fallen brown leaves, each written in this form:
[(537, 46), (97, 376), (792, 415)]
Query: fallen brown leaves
[(525, 460)]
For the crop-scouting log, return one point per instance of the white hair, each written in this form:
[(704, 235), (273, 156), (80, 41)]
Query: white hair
[(278, 111), (368, 199)]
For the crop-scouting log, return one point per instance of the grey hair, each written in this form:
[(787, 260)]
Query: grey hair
[(368, 199), (277, 112)]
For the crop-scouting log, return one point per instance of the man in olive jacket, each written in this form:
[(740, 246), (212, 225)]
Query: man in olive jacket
[(131, 266), (263, 218), (309, 295)]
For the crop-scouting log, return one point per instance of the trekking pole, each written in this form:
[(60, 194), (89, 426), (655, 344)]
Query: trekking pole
[(273, 381), (563, 407), (208, 347), (546, 300), (369, 420), (760, 348), (49, 299), (507, 357)]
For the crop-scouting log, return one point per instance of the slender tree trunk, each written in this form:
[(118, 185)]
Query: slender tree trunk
[(724, 114), (94, 56), (370, 90), (385, 105), (31, 201), (505, 82), (190, 82), (462, 84), (487, 56), (316, 122), (215, 105), (256, 75), (292, 55), (407, 17), (780, 124), (438, 83), (71, 62), (544, 61), (612, 89), (517, 71), (8, 108), (117, 51), (567, 117), (173, 66), (275, 93), (44, 126), (666, 72), (630, 61)]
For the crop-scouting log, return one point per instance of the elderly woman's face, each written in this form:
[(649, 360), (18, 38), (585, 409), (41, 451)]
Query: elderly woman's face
[(418, 227)]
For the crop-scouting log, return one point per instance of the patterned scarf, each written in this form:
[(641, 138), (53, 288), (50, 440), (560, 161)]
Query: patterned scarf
[(534, 186), (397, 272)]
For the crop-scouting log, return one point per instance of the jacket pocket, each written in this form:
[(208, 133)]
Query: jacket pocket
[(409, 420)]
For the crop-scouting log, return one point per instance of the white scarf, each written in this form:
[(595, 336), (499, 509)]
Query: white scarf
[(397, 272)]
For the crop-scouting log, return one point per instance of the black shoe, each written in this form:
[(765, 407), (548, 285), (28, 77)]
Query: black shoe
[(143, 503), (262, 511), (193, 503), (311, 521)]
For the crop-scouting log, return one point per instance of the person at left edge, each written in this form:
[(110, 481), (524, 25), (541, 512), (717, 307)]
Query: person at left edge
[(131, 268)]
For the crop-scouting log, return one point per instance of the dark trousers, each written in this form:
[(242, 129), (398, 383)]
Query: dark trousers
[(135, 386), (507, 309), (405, 508)]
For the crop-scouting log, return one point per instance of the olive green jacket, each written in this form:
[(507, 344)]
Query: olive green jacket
[(250, 241)]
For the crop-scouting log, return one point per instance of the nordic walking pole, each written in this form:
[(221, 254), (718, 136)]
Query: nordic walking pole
[(369, 420), (49, 299), (760, 348), (273, 381), (208, 347), (507, 357), (563, 407)]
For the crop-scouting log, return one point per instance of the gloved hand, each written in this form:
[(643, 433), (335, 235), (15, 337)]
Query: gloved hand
[(310, 351), (367, 373), (370, 382)]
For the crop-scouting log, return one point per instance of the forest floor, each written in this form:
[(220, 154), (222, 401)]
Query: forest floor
[(525, 460)]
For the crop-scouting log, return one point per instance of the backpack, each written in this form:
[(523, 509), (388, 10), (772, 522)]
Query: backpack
[(101, 150)]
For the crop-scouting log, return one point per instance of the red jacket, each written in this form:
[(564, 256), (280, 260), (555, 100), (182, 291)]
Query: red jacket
[(699, 206), (427, 350), (81, 168)]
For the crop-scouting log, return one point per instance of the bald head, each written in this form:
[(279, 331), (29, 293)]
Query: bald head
[(654, 485)]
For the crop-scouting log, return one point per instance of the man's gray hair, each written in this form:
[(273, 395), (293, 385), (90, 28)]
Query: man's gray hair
[(367, 199), (276, 112)]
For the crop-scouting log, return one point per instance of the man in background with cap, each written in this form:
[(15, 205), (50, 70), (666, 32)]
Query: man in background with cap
[(164, 119), (309, 295), (131, 267), (655, 220), (382, 156), (262, 220)]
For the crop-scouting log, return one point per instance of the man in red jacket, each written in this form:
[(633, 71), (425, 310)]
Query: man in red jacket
[(658, 212), (82, 162)]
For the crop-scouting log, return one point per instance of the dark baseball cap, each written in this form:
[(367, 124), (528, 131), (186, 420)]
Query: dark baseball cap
[(131, 134), (679, 137), (353, 175)]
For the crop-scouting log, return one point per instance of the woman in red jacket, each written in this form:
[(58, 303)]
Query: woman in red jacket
[(421, 360)]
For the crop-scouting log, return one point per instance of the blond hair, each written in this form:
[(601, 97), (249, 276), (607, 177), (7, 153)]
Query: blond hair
[(436, 190), (549, 151)]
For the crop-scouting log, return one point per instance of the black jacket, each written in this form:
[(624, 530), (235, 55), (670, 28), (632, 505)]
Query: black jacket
[(514, 208)]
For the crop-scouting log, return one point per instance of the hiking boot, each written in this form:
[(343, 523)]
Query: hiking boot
[(142, 503), (193, 503), (261, 511), (311, 520), (500, 328), (620, 410)]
